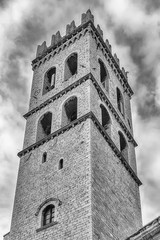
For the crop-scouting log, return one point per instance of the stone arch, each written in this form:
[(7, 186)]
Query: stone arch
[(106, 120), (51, 200), (69, 110), (104, 75), (48, 215), (71, 66), (44, 125), (123, 146), (120, 101), (49, 80), (41, 209)]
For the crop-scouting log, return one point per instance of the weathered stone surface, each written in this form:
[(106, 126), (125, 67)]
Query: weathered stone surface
[(41, 49), (70, 27), (87, 17), (100, 30)]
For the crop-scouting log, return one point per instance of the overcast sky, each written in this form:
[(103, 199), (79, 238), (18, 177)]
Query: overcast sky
[(133, 29)]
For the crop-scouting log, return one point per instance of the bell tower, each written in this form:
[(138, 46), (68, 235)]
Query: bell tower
[(77, 176)]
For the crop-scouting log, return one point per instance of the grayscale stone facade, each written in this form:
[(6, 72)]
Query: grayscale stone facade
[(96, 191)]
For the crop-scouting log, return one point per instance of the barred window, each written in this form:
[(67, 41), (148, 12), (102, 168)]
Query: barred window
[(48, 215)]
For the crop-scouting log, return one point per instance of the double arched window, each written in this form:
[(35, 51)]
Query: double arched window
[(123, 145), (69, 114), (70, 66), (48, 215), (44, 125), (120, 101), (104, 75), (69, 111), (49, 80)]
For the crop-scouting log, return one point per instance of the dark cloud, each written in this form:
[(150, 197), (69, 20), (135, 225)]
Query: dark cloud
[(15, 82), (4, 3), (13, 75), (32, 32), (150, 6), (145, 75), (149, 109)]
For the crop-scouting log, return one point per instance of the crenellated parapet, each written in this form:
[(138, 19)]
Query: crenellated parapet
[(87, 17), (116, 59), (108, 45), (41, 49), (56, 38), (73, 33), (70, 28), (100, 30)]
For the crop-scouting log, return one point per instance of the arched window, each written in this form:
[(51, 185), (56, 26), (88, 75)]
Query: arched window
[(44, 157), (69, 111), (70, 66), (60, 163), (44, 126), (49, 80), (123, 145), (48, 215), (120, 102), (129, 123), (106, 121), (104, 75)]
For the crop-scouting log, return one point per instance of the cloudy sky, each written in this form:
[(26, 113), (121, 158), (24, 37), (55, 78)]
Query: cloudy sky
[(133, 29)]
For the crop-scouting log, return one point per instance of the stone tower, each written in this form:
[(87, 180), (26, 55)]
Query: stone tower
[(77, 177)]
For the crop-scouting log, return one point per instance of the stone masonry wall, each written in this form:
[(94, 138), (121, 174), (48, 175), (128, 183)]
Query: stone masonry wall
[(81, 47), (39, 181), (96, 100), (82, 93), (115, 126), (116, 211), (96, 53), (99, 199)]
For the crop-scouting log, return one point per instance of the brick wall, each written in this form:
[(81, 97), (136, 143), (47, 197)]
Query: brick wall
[(39, 181), (81, 46), (116, 211)]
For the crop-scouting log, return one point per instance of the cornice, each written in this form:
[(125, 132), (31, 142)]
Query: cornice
[(58, 95), (113, 110), (6, 235), (77, 34), (148, 231), (101, 94), (101, 129)]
